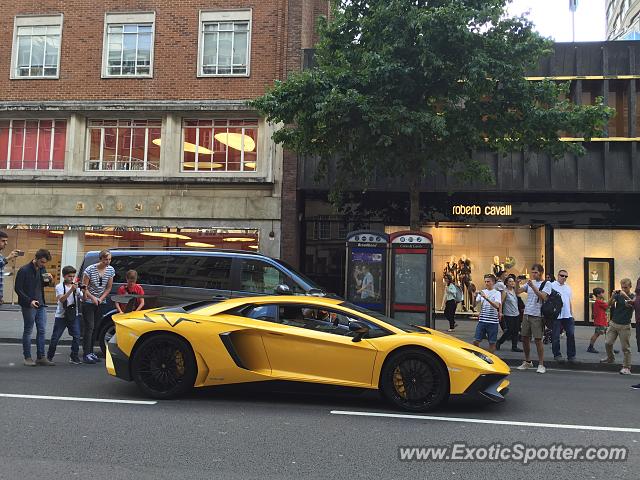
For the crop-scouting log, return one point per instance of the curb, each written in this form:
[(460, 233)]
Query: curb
[(18, 341), (580, 366)]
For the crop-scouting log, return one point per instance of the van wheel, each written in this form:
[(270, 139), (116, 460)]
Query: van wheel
[(164, 366), (107, 330), (414, 380)]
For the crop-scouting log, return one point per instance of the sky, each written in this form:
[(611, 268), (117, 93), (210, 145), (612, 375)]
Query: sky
[(553, 18)]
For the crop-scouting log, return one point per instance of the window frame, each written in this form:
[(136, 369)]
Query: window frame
[(209, 16), (50, 161), (131, 18), (54, 20)]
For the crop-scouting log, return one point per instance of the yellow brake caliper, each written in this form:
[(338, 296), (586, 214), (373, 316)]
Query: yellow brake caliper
[(398, 383)]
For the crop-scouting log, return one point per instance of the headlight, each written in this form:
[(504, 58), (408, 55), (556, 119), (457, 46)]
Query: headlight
[(479, 355)]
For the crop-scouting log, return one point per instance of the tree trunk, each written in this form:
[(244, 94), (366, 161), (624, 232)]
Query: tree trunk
[(414, 204)]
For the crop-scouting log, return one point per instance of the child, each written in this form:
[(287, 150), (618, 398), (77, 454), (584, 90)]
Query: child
[(599, 318), (131, 288), (490, 311), (66, 315)]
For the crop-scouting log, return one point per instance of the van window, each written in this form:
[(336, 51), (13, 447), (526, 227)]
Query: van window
[(150, 268), (196, 271), (257, 276)]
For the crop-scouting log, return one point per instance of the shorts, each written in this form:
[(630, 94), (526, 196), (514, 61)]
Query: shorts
[(601, 330), (532, 326), (490, 330)]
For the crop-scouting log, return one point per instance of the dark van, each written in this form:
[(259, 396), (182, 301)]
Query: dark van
[(172, 277)]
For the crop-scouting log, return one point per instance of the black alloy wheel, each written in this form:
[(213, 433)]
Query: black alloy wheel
[(164, 366), (414, 380)]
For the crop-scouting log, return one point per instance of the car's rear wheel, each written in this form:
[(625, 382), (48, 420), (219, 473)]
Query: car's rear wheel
[(414, 380), (164, 366)]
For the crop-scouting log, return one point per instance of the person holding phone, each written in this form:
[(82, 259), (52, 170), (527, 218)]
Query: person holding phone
[(4, 239), (30, 282)]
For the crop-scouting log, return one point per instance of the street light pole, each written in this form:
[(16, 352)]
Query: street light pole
[(573, 5)]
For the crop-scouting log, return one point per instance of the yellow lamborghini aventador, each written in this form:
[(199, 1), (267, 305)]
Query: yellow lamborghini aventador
[(168, 351)]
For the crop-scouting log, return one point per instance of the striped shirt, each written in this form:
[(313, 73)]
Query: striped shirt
[(487, 312), (97, 285)]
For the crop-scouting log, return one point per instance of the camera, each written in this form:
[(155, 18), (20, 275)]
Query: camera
[(80, 286)]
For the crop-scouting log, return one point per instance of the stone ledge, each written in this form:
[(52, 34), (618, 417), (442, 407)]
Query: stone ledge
[(127, 105)]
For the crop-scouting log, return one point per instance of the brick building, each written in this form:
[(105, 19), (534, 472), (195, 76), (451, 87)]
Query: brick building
[(125, 123)]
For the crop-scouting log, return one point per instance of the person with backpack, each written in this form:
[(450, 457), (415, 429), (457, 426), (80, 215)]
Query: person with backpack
[(453, 295), (532, 322), (621, 304), (564, 320), (511, 315)]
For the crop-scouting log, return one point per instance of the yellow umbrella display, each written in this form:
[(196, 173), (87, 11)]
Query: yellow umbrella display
[(235, 141)]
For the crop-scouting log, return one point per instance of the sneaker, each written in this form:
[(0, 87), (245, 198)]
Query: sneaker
[(516, 349), (616, 351), (559, 359), (450, 329), (95, 358), (636, 387), (75, 360), (541, 369), (88, 359), (590, 349), (28, 362), (525, 365), (625, 371), (606, 360), (44, 362)]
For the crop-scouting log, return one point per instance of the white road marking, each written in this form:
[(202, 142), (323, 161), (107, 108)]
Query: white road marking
[(489, 422), (79, 399), (590, 372)]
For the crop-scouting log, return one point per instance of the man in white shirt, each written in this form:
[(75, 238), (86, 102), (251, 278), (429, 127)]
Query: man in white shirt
[(532, 321), (490, 310), (564, 320)]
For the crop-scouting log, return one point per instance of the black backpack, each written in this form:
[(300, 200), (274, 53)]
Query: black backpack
[(552, 306)]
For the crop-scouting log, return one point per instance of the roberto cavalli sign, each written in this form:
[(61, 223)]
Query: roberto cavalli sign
[(486, 210)]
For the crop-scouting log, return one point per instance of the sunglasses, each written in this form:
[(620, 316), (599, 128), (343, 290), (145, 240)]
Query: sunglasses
[(563, 276), (100, 280)]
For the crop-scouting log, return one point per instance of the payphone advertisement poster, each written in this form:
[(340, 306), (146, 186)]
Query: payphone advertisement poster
[(366, 285)]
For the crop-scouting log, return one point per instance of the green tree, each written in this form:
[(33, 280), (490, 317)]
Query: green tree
[(403, 88)]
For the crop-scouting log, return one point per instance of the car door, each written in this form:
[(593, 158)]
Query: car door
[(191, 278), (302, 346)]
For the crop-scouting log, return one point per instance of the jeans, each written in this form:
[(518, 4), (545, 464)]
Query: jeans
[(569, 327), (89, 313), (513, 327), (450, 312), (39, 317), (70, 322)]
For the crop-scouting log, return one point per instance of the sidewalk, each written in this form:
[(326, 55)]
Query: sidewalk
[(587, 361), (11, 325)]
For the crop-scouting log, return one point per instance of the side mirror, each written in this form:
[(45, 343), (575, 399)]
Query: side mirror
[(360, 329), (283, 290)]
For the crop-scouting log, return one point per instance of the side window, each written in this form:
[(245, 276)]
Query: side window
[(268, 313), (150, 268), (325, 320), (257, 276), (199, 271)]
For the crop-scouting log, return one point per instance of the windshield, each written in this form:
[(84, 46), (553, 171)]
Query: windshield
[(378, 316), (310, 284)]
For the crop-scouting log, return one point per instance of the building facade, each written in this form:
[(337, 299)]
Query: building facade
[(623, 19), (126, 124), (579, 213)]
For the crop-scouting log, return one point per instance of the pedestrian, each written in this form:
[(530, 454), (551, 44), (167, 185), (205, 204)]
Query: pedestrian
[(636, 307), (621, 303), (99, 279), (131, 288), (532, 321), (30, 282), (501, 276), (490, 310), (450, 304), (564, 321), (66, 317), (546, 338), (599, 317), (4, 239), (511, 315)]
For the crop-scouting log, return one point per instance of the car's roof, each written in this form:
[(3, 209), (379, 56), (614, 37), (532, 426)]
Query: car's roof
[(177, 251), (259, 300)]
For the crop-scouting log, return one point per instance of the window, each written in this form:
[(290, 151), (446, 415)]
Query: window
[(220, 145), (128, 45), (224, 43), (150, 268), (320, 319), (195, 271), (324, 232), (36, 47), (32, 144), (257, 276), (124, 145), (268, 313)]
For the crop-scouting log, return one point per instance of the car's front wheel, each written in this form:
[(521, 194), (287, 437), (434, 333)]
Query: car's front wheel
[(164, 366), (106, 332), (414, 380)]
